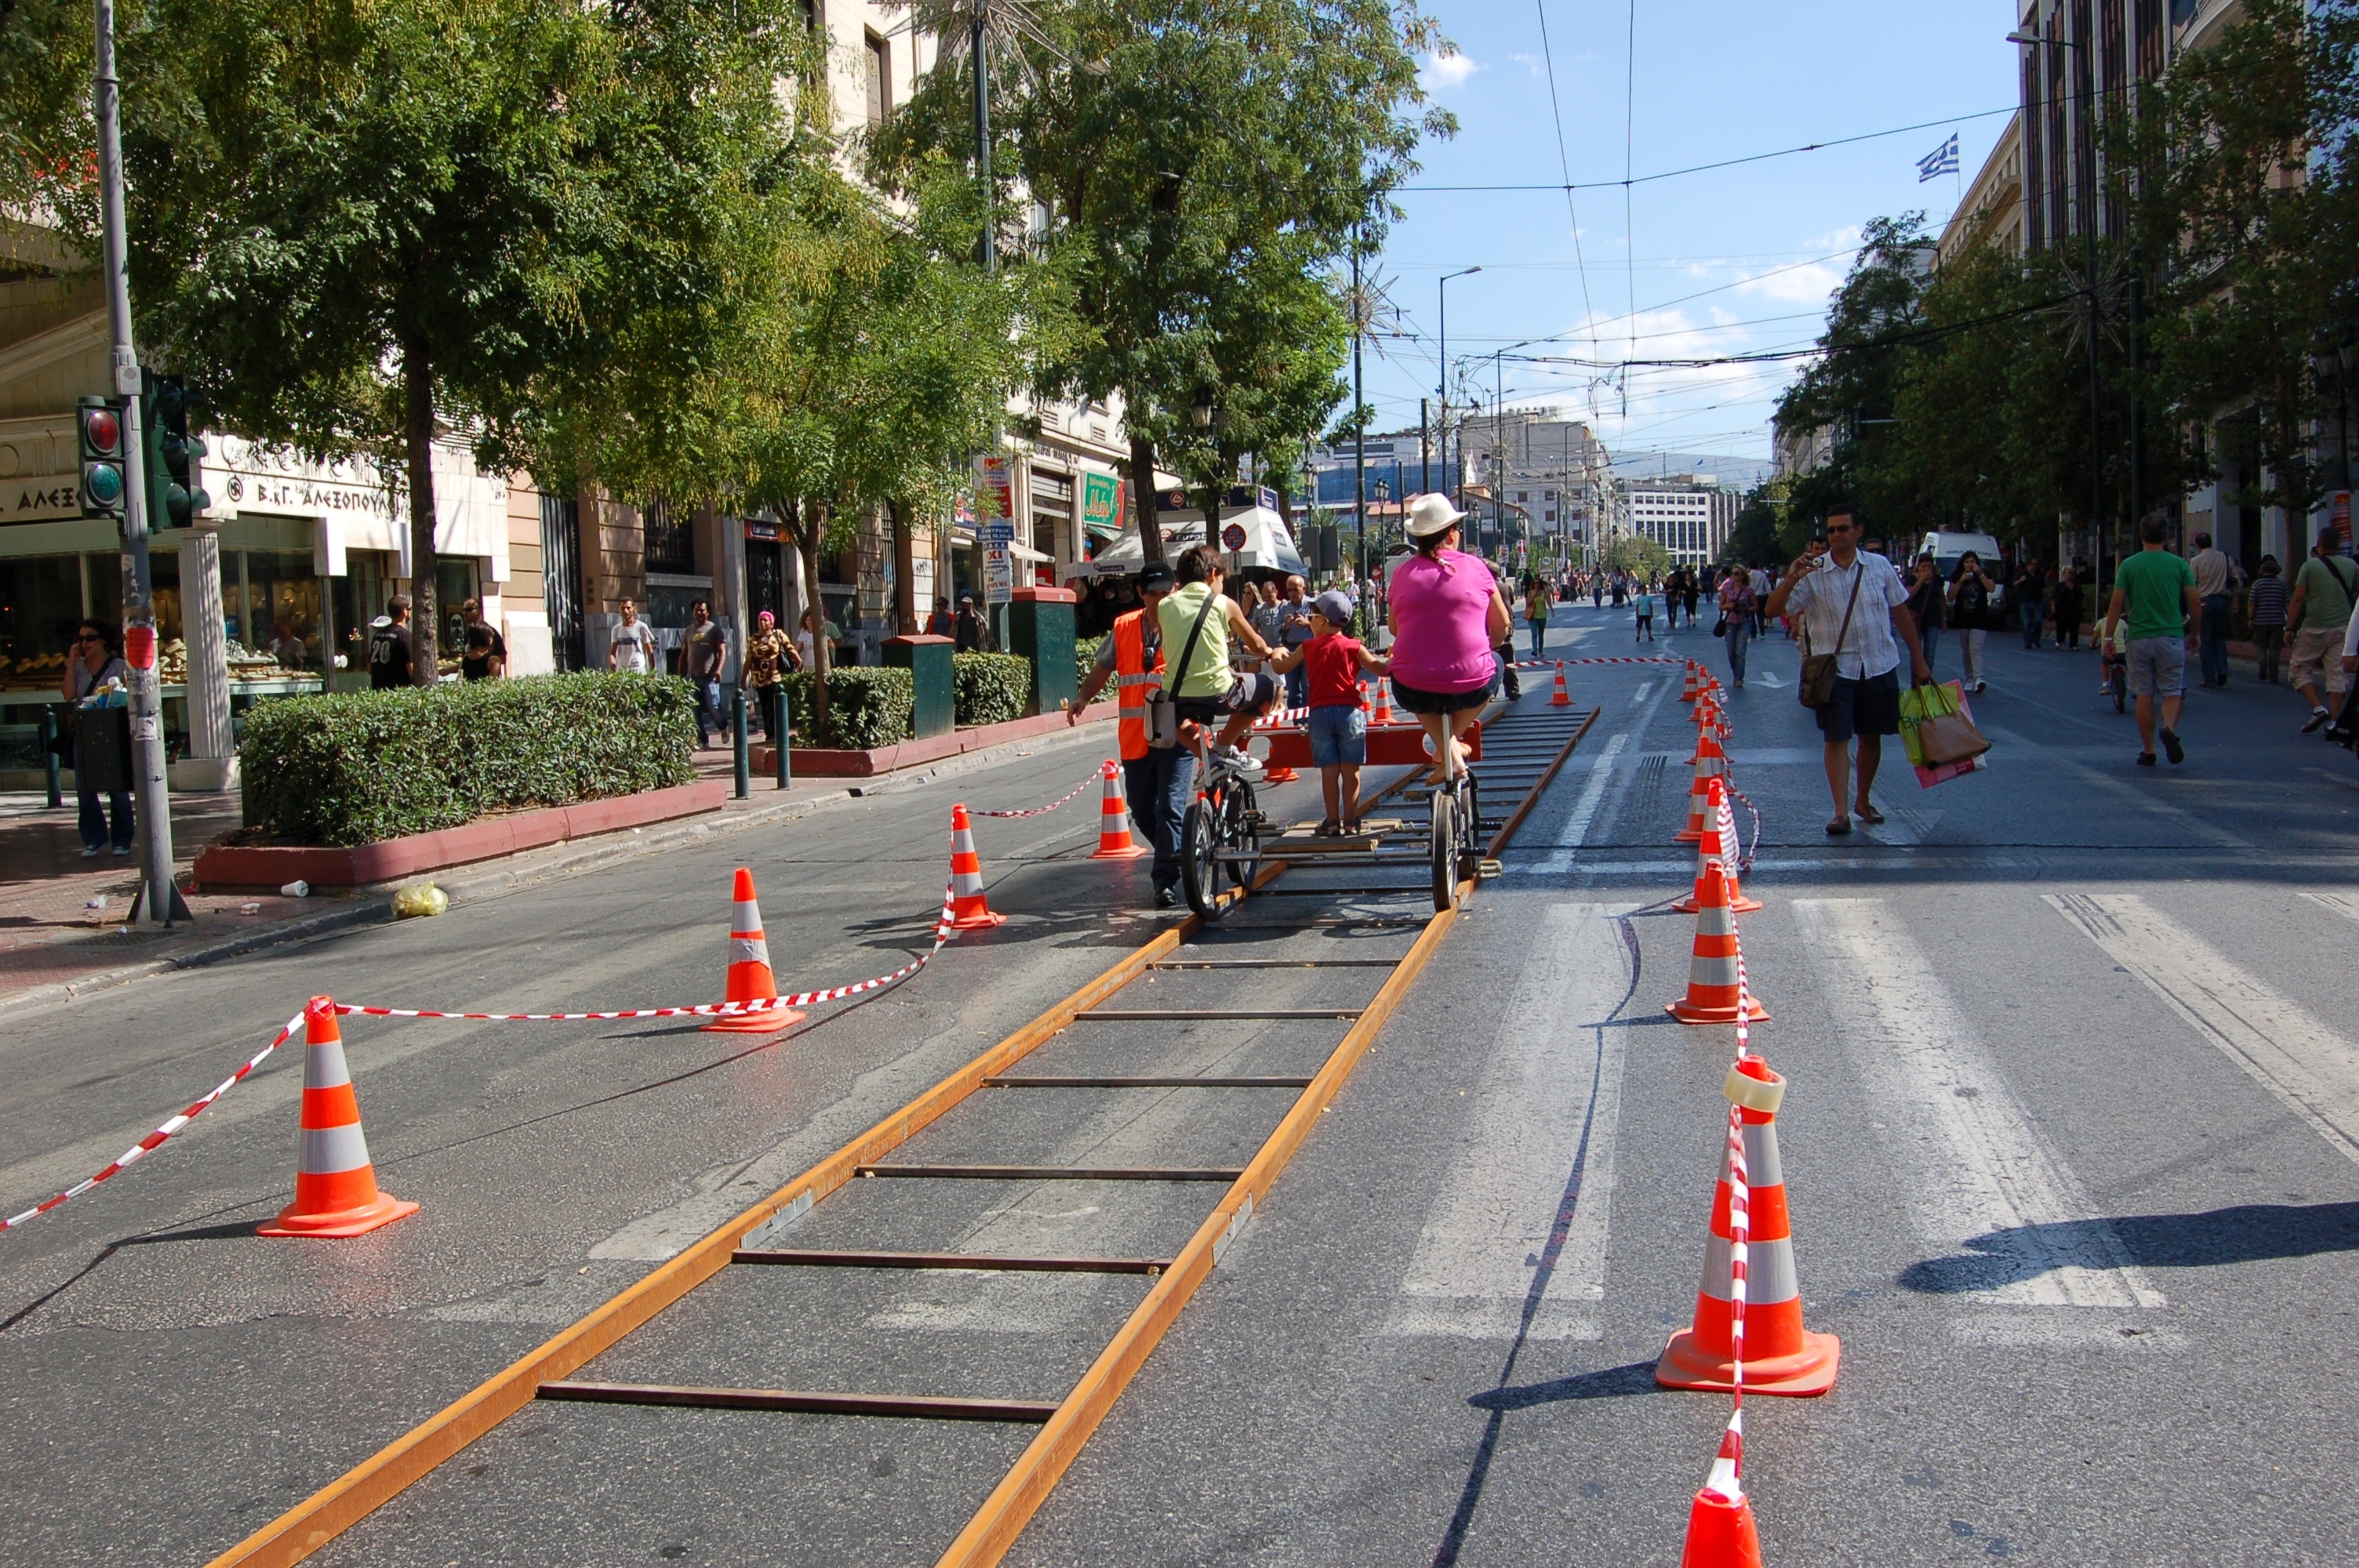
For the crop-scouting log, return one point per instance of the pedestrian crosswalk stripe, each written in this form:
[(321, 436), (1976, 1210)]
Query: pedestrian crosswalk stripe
[(2282, 1046), (1514, 1242), (2021, 1229)]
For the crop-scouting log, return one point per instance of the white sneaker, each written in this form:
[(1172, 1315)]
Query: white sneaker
[(1243, 763)]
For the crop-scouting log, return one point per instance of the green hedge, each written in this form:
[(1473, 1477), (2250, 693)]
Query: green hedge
[(361, 767), (1085, 660), (867, 707), (992, 687)]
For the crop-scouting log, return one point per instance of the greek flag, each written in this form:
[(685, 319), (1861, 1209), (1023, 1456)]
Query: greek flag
[(1941, 161)]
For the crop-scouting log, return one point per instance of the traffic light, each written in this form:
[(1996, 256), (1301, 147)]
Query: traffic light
[(174, 498), (99, 421)]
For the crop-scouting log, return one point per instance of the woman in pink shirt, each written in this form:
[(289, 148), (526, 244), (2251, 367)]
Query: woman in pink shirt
[(1447, 616)]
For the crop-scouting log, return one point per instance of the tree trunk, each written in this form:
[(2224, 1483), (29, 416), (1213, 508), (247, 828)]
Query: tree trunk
[(807, 535), (1142, 497), (418, 376), (904, 570)]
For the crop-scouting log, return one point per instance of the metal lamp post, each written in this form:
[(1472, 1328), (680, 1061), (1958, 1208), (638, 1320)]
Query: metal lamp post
[(1441, 290)]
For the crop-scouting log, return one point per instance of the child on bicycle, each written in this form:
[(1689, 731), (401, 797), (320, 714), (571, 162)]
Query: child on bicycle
[(1338, 725)]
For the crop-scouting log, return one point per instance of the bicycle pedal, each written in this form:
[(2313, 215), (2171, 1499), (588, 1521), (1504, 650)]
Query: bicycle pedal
[(1485, 870)]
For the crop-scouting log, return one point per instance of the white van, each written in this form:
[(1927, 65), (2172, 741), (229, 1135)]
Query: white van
[(1948, 548)]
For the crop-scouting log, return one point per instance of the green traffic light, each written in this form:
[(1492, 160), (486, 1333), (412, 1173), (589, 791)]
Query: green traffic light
[(101, 484)]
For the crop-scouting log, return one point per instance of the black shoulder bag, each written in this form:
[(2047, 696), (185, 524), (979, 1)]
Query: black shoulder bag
[(1819, 670)]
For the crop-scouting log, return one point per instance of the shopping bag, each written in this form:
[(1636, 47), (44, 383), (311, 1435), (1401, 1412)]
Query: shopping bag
[(1935, 727), (1928, 777)]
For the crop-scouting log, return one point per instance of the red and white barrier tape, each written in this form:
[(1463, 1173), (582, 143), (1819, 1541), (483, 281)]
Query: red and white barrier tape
[(942, 932), (1728, 825), (156, 1140), (1728, 1470), (1044, 810)]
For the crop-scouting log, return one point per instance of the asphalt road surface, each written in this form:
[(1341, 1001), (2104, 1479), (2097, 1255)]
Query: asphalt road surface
[(2069, 1144)]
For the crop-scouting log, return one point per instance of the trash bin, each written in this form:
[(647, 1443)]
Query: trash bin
[(928, 660), (1040, 628)]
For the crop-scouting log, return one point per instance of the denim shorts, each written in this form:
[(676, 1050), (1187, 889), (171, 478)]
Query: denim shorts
[(1339, 736), (2157, 666)]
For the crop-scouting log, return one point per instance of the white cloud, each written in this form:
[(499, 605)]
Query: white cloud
[(1530, 62), (1441, 71)]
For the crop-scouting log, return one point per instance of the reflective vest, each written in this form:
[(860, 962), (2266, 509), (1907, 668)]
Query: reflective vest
[(1131, 679)]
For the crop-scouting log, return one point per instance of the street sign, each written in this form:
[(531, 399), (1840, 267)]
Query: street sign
[(998, 538), (1232, 537)]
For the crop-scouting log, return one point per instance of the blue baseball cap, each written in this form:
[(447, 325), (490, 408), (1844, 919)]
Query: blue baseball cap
[(1334, 604)]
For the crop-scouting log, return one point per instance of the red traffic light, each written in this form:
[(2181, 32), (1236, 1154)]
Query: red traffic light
[(102, 430)]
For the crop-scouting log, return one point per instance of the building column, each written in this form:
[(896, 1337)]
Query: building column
[(212, 752)]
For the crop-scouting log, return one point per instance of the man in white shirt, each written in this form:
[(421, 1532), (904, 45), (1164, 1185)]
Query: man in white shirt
[(1762, 584), (633, 651), (1853, 605), (2213, 586)]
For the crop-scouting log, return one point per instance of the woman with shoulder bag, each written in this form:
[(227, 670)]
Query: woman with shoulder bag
[(1971, 595), (95, 659), (1928, 605)]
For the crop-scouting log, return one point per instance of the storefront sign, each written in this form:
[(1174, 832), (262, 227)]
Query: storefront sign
[(40, 498), (1101, 499), (997, 537), (995, 492)]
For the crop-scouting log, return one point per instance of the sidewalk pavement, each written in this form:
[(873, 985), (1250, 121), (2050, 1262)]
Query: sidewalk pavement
[(65, 926)]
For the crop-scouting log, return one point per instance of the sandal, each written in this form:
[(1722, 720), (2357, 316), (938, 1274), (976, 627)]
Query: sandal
[(1353, 830), (1868, 815), (1330, 829), (1839, 827)]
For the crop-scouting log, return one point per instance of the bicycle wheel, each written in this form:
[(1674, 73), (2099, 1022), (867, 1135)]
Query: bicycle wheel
[(1200, 869), (2121, 689), (1445, 851), (1238, 835), (1469, 813)]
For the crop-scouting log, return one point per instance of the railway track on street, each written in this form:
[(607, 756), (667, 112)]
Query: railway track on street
[(1081, 1178)]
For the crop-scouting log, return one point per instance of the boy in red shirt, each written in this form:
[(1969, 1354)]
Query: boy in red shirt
[(1338, 725)]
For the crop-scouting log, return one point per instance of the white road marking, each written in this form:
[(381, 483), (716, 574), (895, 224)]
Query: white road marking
[(1556, 1079), (1765, 678), (1576, 827), (2019, 1229), (2312, 1070)]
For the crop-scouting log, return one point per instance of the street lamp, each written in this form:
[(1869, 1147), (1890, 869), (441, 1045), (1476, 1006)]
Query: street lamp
[(2088, 254), (1442, 361)]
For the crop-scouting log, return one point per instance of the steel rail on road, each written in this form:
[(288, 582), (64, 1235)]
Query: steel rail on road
[(1543, 737)]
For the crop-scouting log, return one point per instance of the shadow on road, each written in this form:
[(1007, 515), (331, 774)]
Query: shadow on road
[(2247, 1233)]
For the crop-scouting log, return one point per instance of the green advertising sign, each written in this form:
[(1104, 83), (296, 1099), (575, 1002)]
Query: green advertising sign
[(1101, 499)]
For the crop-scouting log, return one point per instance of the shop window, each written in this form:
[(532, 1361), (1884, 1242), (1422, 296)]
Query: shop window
[(879, 83), (671, 536), (457, 578), (282, 605), (40, 600), (561, 577), (360, 598)]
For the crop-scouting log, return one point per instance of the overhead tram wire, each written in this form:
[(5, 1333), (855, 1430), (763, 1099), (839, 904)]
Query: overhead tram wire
[(1564, 161), (1923, 335), (1629, 154)]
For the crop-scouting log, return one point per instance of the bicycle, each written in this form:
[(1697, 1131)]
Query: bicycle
[(1455, 838), (1220, 841), (2116, 679)]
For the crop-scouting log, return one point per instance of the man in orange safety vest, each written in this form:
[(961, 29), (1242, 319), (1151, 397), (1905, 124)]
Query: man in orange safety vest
[(1157, 784)]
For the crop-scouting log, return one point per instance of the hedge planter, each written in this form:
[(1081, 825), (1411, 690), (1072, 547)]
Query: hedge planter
[(233, 867), (825, 763)]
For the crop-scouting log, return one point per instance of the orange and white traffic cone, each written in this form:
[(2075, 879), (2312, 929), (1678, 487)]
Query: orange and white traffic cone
[(1113, 823), (750, 978), (1560, 697), (970, 910), (1688, 691), (1720, 1531), (1712, 970), (1781, 1357), (1709, 763), (1710, 852), (335, 1186), (1383, 713)]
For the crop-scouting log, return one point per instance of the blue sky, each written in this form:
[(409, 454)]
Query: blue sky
[(1737, 260)]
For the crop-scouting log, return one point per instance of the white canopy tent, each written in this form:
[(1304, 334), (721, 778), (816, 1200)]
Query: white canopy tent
[(1252, 538)]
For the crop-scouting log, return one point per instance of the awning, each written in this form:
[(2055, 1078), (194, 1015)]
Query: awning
[(1253, 538)]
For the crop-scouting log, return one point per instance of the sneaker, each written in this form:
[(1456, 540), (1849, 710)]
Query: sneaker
[(2172, 749), (94, 851), (1165, 898), (2146, 759), (1244, 763), (2318, 717), (122, 849)]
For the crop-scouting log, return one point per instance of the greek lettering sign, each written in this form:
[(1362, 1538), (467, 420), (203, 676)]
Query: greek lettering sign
[(40, 498)]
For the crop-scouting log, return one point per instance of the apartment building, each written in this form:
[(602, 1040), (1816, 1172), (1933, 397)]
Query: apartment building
[(1688, 514)]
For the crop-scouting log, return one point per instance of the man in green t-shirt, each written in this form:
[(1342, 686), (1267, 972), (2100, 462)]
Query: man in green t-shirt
[(2155, 591), (2316, 617)]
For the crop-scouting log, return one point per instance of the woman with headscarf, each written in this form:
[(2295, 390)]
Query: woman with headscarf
[(769, 653)]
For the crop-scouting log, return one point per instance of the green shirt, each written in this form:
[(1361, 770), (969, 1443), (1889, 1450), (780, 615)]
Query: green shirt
[(2328, 607), (1207, 673), (2155, 582)]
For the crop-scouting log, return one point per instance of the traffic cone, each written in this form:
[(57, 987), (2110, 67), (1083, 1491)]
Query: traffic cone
[(968, 909), (1560, 697), (750, 978), (1721, 1532), (1781, 1357), (1113, 823), (1383, 713), (1710, 852), (1712, 971), (1688, 692), (1710, 762), (335, 1186)]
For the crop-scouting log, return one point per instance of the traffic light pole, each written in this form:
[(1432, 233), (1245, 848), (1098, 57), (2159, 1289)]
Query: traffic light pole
[(164, 903)]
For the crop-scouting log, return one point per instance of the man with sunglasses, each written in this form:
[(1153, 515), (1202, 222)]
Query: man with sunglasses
[(1853, 605)]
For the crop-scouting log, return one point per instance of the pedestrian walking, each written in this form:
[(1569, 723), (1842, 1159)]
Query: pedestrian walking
[(1596, 590), (391, 664), (2154, 592), (1929, 606), (2265, 605), (974, 634), (1762, 583), (1973, 594), (942, 622), (2213, 583), (703, 654), (769, 654), (2320, 613), (1156, 780), (2068, 606), (1738, 610), (1853, 606), (1692, 593), (2029, 592), (1644, 602), (1537, 599), (633, 650), (96, 658)]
